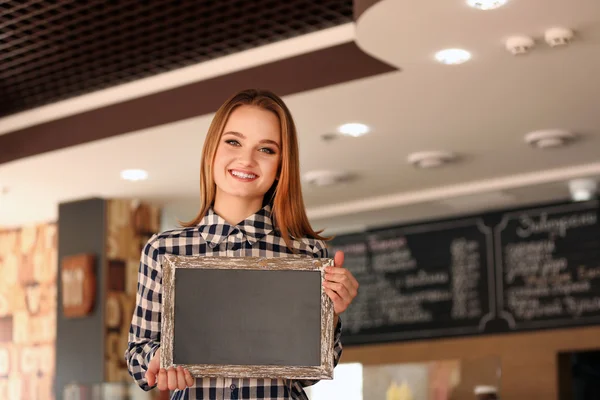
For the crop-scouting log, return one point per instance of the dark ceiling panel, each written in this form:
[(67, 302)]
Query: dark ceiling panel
[(307, 71), (53, 50)]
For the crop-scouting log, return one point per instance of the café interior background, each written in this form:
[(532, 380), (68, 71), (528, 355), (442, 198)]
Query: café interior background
[(410, 115)]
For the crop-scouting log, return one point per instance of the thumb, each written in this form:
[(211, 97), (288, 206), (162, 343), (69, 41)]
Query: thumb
[(338, 259), (150, 378), (153, 368)]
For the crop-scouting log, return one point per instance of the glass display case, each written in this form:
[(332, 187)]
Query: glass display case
[(435, 380)]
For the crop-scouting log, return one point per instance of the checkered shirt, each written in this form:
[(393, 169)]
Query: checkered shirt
[(253, 237)]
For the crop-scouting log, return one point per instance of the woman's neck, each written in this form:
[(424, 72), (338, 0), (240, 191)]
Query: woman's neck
[(235, 209)]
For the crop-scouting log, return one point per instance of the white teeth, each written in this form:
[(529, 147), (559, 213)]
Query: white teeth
[(243, 175)]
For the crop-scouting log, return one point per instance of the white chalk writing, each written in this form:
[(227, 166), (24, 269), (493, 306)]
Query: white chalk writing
[(423, 278), (465, 279), (381, 244), (395, 261), (560, 225), (578, 307)]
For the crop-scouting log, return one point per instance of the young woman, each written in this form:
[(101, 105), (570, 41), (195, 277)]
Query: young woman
[(250, 205)]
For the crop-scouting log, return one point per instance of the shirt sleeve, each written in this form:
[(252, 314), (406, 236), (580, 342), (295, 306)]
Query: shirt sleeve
[(144, 332), (321, 251)]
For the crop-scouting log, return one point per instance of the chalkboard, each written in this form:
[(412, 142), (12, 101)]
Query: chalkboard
[(548, 266), (500, 272), (421, 281), (247, 317)]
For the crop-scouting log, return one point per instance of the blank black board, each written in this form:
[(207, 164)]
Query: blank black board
[(247, 317)]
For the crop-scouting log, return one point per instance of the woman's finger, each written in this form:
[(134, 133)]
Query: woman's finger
[(189, 379), (345, 277), (338, 259), (162, 379), (333, 296), (181, 384), (172, 378), (336, 277), (336, 270), (355, 283), (341, 290)]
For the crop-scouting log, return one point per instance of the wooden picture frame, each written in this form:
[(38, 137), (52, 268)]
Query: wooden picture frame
[(324, 369), (78, 285)]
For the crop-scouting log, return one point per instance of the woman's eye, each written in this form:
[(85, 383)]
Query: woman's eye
[(232, 142), (267, 150)]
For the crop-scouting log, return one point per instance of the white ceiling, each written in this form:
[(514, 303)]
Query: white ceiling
[(480, 110)]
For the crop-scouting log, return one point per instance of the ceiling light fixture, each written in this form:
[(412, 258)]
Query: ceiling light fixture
[(486, 4), (430, 159), (546, 139), (583, 189), (354, 129), (134, 175), (452, 56), (325, 178)]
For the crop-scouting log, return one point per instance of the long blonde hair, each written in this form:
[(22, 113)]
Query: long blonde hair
[(285, 196)]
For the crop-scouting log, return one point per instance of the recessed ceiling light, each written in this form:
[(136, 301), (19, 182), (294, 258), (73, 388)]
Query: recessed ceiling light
[(453, 56), (326, 178), (430, 159), (551, 138), (134, 174), (583, 189), (354, 129), (486, 4)]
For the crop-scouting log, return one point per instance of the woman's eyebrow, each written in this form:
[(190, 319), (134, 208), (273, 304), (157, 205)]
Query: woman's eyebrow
[(269, 141), (234, 133), (242, 136)]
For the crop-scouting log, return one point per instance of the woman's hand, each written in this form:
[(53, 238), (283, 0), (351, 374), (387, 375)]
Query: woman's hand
[(339, 284), (171, 379)]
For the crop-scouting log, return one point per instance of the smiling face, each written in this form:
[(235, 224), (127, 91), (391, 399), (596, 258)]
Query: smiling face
[(248, 156)]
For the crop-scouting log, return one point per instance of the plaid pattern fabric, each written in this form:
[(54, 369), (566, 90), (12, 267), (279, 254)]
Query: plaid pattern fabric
[(253, 237)]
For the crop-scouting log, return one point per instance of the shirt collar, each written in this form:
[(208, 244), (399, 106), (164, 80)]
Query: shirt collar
[(214, 229)]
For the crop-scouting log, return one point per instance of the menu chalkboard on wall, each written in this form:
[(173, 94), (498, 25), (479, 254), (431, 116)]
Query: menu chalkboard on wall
[(422, 281), (498, 272), (548, 266)]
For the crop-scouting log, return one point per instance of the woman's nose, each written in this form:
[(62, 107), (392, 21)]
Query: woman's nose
[(247, 157)]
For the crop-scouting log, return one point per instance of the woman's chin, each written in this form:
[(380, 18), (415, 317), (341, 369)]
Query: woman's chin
[(246, 195)]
